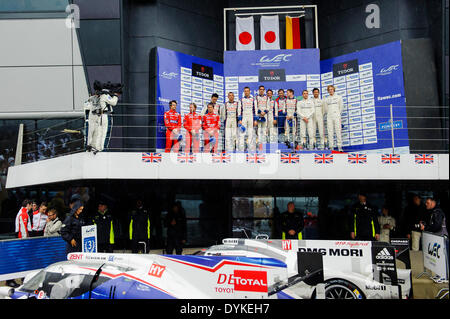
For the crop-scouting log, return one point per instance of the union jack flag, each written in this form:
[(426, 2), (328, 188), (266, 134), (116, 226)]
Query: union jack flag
[(290, 158), (151, 157), (256, 158), (424, 158), (390, 158), (323, 158), (186, 158), (221, 158), (357, 158)]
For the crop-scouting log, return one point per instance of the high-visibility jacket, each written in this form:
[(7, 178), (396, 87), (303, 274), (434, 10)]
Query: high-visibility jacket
[(139, 224), (292, 221), (365, 222), (23, 223), (106, 228)]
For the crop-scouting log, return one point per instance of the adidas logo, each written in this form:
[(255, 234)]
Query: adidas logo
[(384, 254)]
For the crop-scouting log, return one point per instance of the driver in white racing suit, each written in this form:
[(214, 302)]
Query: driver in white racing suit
[(261, 116), (247, 121), (290, 126), (231, 111), (305, 111), (333, 107), (318, 119)]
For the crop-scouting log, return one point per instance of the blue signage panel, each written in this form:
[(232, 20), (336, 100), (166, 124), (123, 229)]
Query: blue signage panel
[(369, 81), (275, 69), (23, 255), (186, 79)]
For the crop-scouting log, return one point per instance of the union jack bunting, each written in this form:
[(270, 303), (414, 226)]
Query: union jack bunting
[(256, 158), (221, 158), (357, 158), (186, 158), (290, 158), (151, 157), (390, 158), (323, 158), (424, 158)]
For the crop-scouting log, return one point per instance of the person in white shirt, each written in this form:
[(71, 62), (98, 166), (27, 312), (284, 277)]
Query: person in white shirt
[(318, 119), (387, 224), (333, 107), (305, 113), (39, 220)]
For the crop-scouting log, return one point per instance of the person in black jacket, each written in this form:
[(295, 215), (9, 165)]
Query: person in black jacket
[(292, 223), (436, 222), (413, 214), (364, 224), (175, 222), (139, 227), (107, 228), (71, 229)]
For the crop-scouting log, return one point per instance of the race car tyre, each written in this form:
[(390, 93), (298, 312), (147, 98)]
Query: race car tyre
[(341, 289)]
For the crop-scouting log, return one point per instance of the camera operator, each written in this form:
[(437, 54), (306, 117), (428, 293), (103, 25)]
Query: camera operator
[(98, 111)]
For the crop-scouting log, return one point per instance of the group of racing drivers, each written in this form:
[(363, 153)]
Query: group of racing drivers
[(280, 119)]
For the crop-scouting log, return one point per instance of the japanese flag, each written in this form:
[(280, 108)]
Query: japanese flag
[(245, 35), (270, 33)]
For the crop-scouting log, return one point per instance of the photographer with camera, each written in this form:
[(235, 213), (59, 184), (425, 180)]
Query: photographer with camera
[(98, 115)]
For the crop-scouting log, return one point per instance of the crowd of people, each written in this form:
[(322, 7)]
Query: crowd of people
[(42, 219), (253, 120)]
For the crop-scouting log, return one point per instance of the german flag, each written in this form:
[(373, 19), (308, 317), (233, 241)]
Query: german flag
[(293, 33)]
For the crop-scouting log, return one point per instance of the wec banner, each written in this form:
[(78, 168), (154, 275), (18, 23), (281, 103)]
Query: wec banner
[(369, 81), (186, 79), (275, 69), (435, 254)]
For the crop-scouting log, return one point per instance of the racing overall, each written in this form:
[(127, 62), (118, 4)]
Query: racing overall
[(290, 126), (272, 116), (305, 109), (231, 111), (333, 107), (281, 107), (211, 127), (318, 122), (192, 123), (262, 107), (172, 121), (248, 116)]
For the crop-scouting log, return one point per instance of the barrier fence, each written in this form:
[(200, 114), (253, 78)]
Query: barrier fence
[(137, 131), (18, 257)]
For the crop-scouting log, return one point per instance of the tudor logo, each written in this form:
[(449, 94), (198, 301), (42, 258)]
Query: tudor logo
[(345, 68), (278, 75)]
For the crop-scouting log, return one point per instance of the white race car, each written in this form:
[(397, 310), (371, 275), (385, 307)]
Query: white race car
[(351, 269), (148, 276)]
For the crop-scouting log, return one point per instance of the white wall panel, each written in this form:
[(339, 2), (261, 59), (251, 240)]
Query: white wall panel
[(40, 67)]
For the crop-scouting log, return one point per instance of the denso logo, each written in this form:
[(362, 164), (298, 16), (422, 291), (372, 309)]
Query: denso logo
[(245, 280), (276, 59)]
